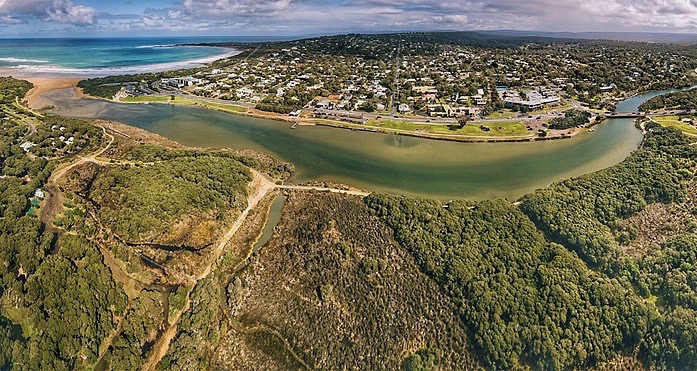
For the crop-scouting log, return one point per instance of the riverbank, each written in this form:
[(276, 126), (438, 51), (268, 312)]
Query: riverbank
[(423, 132), (35, 100)]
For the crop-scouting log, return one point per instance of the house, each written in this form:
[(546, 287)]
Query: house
[(471, 112), (244, 92), (425, 90), (323, 104), (530, 100), (440, 110), (26, 145), (403, 108), (39, 193), (429, 96)]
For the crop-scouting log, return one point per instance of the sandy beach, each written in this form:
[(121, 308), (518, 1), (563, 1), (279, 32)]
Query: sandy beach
[(44, 85)]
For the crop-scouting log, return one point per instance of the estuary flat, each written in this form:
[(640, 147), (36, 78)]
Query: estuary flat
[(379, 162)]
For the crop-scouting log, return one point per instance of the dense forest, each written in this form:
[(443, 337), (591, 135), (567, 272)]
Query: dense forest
[(683, 100), (58, 300), (525, 301), (11, 88), (528, 301), (571, 119), (582, 213)]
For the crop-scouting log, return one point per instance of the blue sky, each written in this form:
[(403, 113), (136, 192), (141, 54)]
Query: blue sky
[(51, 18)]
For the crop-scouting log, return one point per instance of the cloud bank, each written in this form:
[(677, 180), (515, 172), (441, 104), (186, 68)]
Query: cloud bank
[(58, 11), (327, 16)]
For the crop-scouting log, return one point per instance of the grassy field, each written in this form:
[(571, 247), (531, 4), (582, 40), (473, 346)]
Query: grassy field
[(147, 99), (223, 107), (184, 101), (497, 129), (674, 122)]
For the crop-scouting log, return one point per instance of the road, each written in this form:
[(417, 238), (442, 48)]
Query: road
[(395, 90), (91, 158)]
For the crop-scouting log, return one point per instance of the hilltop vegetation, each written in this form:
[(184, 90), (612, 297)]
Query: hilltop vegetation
[(71, 297), (331, 290), (145, 203), (11, 88), (525, 301)]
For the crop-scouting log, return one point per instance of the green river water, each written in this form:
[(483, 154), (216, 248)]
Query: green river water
[(380, 162)]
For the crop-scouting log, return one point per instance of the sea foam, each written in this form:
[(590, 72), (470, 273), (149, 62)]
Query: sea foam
[(27, 70), (21, 60)]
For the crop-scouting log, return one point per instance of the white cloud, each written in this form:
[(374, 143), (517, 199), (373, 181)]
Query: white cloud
[(153, 21), (60, 11), (654, 13), (174, 14), (10, 20), (22, 6), (64, 11), (329, 16), (223, 8)]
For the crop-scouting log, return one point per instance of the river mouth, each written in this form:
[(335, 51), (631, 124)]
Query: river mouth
[(382, 162)]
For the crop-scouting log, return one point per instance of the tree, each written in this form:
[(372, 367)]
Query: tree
[(463, 120)]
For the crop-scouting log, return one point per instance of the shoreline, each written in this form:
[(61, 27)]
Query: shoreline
[(47, 84), (254, 113), (57, 72)]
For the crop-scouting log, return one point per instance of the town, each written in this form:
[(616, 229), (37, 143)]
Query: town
[(412, 84)]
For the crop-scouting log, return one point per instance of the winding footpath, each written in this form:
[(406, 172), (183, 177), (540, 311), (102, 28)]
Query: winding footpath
[(261, 185)]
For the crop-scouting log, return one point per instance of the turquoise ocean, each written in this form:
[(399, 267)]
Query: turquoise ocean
[(106, 56)]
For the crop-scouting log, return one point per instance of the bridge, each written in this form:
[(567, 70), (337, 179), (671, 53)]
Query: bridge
[(625, 115)]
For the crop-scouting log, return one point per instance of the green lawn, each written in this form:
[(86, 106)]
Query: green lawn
[(223, 107), (674, 122), (184, 101), (497, 129), (144, 99)]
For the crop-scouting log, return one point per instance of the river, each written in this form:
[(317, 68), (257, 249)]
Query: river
[(381, 162)]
